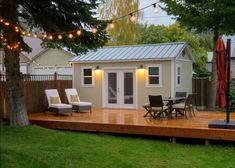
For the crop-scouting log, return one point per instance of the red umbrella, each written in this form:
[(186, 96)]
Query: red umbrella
[(221, 72)]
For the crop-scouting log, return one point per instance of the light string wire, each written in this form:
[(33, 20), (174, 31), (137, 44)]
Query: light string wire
[(66, 34)]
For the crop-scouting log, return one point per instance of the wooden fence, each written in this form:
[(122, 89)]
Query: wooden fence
[(34, 86), (200, 87)]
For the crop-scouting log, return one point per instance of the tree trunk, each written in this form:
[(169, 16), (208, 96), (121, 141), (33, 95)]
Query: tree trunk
[(213, 88), (16, 104)]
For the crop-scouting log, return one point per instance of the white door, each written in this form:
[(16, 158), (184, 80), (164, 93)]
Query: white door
[(120, 88)]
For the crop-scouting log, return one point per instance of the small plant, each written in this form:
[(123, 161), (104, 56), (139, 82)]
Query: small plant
[(232, 95)]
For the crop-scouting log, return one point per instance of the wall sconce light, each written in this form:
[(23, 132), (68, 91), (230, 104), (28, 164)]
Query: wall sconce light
[(97, 67), (141, 67)]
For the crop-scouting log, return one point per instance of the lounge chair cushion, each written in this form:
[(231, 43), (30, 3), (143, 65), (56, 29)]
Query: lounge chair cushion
[(81, 103), (54, 100), (60, 106), (74, 98)]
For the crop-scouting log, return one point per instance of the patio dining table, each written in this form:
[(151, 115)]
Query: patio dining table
[(171, 101)]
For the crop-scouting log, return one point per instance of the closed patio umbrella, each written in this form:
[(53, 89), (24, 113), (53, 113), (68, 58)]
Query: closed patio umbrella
[(221, 72)]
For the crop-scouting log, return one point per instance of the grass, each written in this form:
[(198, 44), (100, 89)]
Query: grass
[(36, 147)]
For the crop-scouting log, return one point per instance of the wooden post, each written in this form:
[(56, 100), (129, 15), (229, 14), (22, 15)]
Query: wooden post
[(55, 76), (207, 142)]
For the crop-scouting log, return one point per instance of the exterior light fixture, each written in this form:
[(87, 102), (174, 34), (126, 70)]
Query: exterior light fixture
[(141, 67), (97, 67)]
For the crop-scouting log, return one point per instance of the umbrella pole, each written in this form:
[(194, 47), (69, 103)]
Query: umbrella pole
[(228, 80)]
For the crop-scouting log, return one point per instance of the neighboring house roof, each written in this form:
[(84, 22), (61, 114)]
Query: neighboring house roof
[(35, 44), (37, 49), (164, 51)]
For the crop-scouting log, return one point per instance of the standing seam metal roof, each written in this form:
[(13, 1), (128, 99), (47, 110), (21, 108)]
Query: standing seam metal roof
[(135, 52)]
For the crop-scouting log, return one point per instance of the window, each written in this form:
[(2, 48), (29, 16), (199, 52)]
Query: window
[(178, 75), (87, 76), (154, 75)]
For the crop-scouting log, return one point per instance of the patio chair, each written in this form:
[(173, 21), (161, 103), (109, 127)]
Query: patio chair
[(157, 108), (54, 102), (184, 107), (74, 100)]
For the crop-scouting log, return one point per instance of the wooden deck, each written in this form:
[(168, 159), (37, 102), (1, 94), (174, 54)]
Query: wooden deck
[(132, 122)]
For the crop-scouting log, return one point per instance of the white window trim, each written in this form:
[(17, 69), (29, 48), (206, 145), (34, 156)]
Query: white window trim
[(82, 76), (160, 76), (180, 75)]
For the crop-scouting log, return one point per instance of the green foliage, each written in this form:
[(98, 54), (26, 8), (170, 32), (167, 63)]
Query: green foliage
[(35, 147), (204, 15), (232, 94), (177, 33), (124, 32)]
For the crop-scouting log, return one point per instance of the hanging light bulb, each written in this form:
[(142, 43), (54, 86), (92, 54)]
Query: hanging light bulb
[(111, 25), (1, 20), (94, 30), (51, 37), (44, 35), (155, 8), (23, 33), (60, 37), (132, 17), (70, 35), (7, 23), (35, 35), (79, 32)]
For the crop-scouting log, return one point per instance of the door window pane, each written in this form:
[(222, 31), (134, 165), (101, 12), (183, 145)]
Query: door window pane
[(112, 88), (128, 88)]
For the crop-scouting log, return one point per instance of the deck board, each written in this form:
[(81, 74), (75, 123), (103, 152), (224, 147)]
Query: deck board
[(132, 122)]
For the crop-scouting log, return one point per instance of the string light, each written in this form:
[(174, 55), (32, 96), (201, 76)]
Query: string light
[(77, 31), (35, 35), (60, 37), (155, 8), (50, 37), (7, 23), (44, 35), (132, 17), (70, 35), (94, 30), (111, 25)]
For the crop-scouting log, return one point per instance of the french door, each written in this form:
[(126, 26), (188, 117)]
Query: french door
[(120, 88)]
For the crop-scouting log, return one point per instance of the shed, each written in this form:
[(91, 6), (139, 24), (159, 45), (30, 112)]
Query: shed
[(124, 76)]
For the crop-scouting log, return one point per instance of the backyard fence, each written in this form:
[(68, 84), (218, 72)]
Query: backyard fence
[(34, 86), (200, 87)]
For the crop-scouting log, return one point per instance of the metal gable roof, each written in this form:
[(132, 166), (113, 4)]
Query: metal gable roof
[(133, 53)]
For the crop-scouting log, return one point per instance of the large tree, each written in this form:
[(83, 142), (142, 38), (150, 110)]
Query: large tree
[(124, 31), (213, 16), (54, 16), (176, 33)]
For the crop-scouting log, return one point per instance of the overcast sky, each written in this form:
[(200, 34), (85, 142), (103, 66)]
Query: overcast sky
[(160, 18)]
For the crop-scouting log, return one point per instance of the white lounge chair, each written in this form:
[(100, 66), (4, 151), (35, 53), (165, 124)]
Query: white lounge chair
[(74, 100), (54, 102)]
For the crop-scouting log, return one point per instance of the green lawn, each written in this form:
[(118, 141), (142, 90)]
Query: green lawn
[(34, 147)]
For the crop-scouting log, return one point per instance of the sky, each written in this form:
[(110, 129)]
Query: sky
[(160, 18)]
